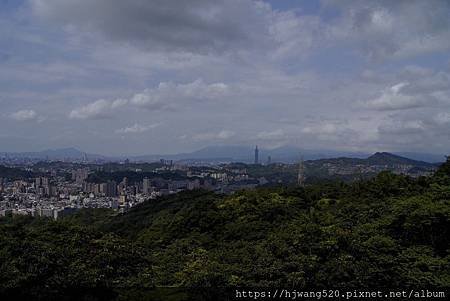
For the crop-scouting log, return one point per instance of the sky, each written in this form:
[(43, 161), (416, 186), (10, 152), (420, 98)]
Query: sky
[(166, 76)]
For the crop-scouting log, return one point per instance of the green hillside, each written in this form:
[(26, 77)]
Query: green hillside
[(15, 173), (390, 231)]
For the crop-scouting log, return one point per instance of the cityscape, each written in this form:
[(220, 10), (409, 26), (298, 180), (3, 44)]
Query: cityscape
[(61, 188), (238, 150)]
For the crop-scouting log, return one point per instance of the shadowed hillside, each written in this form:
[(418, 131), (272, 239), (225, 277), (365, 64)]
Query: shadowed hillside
[(390, 231)]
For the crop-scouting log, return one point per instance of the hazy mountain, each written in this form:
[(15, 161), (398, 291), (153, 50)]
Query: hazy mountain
[(56, 154), (240, 153), (226, 153), (293, 154), (432, 158), (379, 158), (384, 158)]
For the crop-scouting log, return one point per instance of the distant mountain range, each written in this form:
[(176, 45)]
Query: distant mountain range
[(246, 154), (388, 158), (239, 153), (54, 154), (379, 158)]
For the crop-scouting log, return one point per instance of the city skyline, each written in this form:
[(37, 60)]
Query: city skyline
[(165, 77)]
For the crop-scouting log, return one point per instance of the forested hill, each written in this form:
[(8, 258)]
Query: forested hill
[(384, 158), (390, 231), (15, 173), (380, 158)]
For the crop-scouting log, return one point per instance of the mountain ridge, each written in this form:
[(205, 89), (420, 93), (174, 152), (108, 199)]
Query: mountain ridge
[(234, 153)]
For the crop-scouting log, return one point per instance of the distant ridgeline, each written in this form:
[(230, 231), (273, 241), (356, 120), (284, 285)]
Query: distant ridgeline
[(352, 168), (346, 169), (388, 231)]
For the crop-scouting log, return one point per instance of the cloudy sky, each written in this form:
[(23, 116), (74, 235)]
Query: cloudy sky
[(168, 76)]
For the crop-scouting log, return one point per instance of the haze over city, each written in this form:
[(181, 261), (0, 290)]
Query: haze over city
[(161, 77)]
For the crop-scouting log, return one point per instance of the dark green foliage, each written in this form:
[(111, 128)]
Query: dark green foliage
[(15, 173), (390, 231)]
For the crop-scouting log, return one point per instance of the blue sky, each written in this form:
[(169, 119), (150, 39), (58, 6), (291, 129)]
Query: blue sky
[(163, 76)]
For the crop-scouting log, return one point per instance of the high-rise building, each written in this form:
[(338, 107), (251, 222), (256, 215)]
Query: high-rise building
[(146, 186), (256, 155), (123, 199), (97, 189), (38, 182), (42, 185), (103, 188), (111, 188), (80, 175)]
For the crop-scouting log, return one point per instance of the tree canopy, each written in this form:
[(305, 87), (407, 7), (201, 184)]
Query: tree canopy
[(389, 231)]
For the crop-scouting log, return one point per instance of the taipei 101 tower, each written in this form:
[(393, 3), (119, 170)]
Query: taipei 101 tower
[(256, 155)]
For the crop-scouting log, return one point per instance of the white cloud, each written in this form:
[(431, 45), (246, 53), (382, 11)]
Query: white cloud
[(137, 128), (260, 63), (341, 132), (99, 109), (25, 115), (322, 129), (395, 98), (379, 29), (393, 29), (442, 118), (271, 135), (200, 26), (402, 127), (222, 135), (167, 96)]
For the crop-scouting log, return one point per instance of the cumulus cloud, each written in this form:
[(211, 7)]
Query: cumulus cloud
[(198, 26), (442, 118), (425, 133), (201, 27), (340, 132), (402, 127), (24, 115), (137, 128), (271, 135), (326, 128), (261, 63), (382, 29), (222, 135), (167, 96), (99, 109), (378, 29), (395, 98)]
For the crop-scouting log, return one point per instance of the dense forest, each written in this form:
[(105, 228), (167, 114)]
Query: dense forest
[(15, 173), (389, 231)]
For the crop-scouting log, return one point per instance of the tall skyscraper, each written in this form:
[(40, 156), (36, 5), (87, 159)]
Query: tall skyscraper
[(256, 155)]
